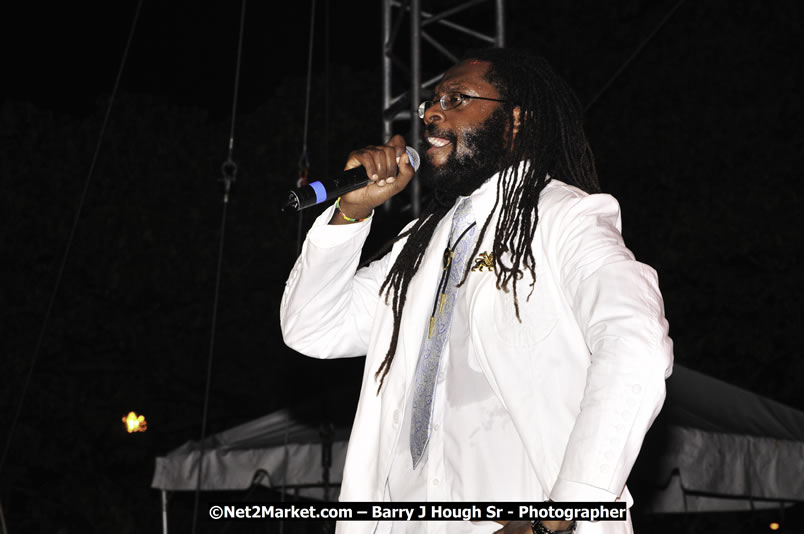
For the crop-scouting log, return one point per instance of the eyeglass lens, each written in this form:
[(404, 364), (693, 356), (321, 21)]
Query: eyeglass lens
[(448, 101)]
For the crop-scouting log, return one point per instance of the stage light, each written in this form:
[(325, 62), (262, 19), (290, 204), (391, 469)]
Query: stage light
[(775, 526), (135, 423)]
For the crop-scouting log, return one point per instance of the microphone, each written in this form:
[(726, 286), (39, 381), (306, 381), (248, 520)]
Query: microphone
[(332, 188)]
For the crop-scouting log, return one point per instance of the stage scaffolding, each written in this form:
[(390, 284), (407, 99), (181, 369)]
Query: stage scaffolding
[(401, 108)]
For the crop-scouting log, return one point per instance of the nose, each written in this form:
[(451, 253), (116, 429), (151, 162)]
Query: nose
[(433, 112)]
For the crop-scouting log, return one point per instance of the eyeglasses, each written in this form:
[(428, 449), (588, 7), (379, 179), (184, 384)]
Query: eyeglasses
[(451, 101)]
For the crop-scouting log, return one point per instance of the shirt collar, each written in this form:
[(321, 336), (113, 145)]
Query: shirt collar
[(484, 196)]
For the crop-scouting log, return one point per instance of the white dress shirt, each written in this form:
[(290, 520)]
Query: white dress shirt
[(571, 389), (474, 452)]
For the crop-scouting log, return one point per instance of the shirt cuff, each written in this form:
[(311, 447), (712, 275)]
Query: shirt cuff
[(325, 235), (568, 491)]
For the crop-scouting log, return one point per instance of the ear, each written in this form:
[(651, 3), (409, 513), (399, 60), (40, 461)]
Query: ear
[(515, 127)]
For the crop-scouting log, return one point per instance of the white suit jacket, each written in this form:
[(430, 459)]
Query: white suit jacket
[(582, 375)]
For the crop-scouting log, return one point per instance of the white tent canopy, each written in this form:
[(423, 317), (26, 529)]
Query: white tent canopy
[(715, 447), (285, 451)]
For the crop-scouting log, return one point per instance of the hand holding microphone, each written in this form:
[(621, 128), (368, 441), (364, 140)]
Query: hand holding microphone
[(372, 175)]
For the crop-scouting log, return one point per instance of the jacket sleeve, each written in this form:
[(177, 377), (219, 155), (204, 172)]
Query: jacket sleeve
[(619, 310), (328, 306)]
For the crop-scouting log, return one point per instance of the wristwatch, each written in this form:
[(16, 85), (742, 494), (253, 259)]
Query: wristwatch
[(539, 528)]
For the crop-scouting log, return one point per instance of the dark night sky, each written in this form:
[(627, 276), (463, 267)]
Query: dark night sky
[(699, 139), (67, 58)]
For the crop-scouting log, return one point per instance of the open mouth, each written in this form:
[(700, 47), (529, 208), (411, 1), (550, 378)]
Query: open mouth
[(437, 143)]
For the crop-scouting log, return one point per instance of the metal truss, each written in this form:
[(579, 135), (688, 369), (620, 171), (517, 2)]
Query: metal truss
[(417, 78)]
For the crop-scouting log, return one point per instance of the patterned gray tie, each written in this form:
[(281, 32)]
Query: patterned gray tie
[(455, 257)]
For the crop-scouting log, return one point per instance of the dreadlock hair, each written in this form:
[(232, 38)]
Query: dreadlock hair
[(550, 139)]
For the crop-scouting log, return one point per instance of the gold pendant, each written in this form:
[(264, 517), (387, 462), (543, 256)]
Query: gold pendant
[(448, 254)]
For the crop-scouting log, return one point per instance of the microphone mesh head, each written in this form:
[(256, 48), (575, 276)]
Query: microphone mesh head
[(414, 157)]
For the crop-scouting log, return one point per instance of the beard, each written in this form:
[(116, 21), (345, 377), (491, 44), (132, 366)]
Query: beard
[(475, 157)]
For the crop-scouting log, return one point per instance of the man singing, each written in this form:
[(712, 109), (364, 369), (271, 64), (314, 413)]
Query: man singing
[(515, 350)]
